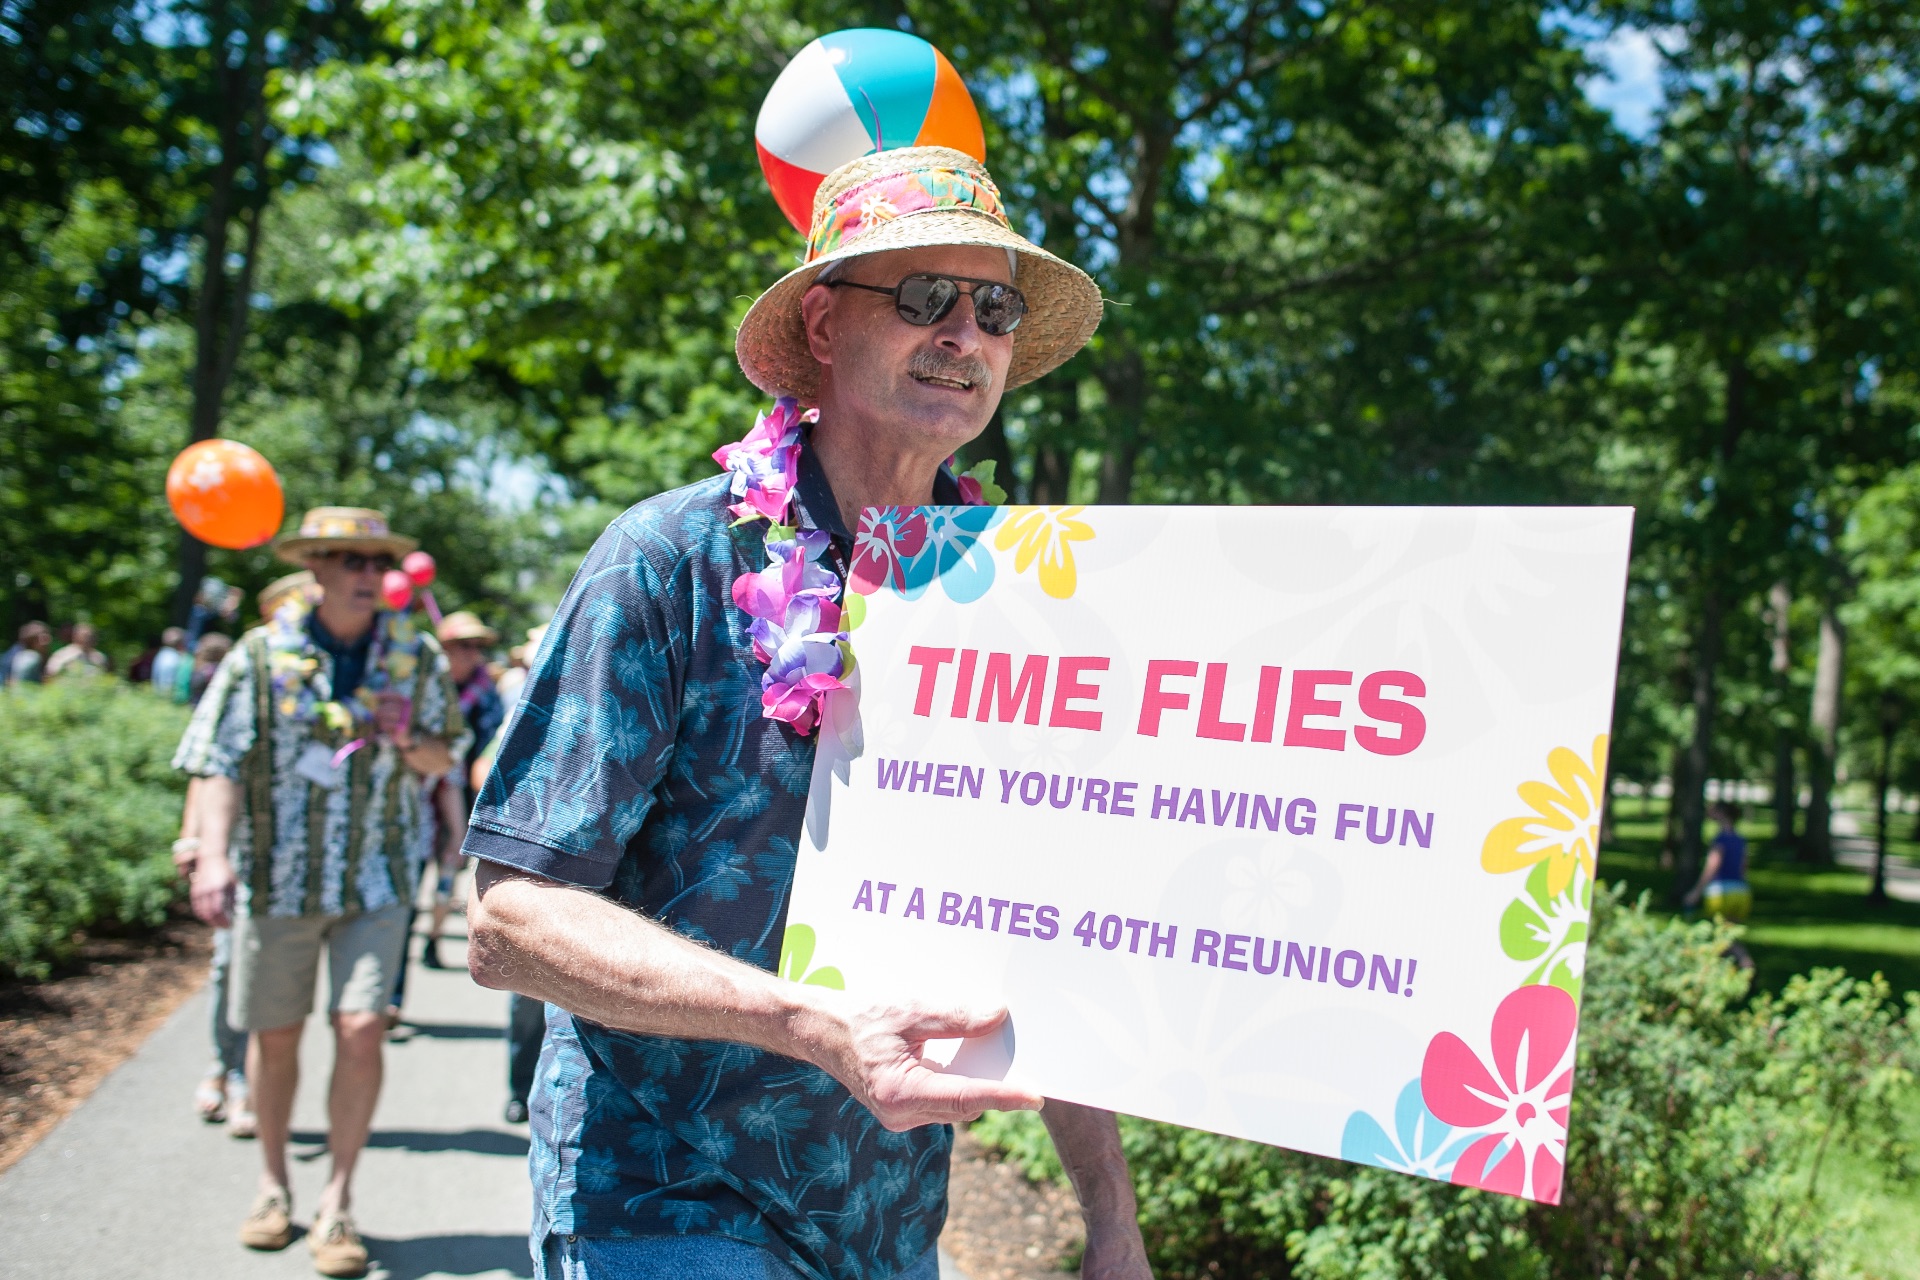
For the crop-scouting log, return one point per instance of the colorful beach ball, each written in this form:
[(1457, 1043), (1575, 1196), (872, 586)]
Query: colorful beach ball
[(852, 93), (225, 494)]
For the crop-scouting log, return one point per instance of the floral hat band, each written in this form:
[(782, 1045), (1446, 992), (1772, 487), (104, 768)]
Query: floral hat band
[(325, 529), (860, 209)]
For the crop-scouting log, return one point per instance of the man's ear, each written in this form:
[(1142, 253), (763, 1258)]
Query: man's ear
[(815, 303)]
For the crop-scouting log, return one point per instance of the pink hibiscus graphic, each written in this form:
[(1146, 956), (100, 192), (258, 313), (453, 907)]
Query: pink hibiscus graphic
[(1521, 1105), (888, 537)]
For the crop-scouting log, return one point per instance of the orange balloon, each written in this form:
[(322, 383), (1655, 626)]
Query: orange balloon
[(225, 494)]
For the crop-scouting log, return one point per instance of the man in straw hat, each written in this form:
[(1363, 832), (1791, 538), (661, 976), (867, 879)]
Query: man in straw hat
[(696, 1115), (311, 748)]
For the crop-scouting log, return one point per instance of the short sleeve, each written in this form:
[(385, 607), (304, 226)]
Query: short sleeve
[(221, 731), (592, 734)]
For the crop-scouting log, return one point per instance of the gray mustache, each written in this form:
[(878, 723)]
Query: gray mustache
[(934, 364)]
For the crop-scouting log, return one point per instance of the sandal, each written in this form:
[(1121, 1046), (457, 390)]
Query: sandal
[(210, 1099), (241, 1122)]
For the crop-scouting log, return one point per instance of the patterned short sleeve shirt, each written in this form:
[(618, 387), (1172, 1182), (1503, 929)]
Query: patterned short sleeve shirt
[(300, 848), (637, 763)]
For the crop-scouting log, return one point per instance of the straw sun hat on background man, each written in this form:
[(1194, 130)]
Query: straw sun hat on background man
[(918, 306)]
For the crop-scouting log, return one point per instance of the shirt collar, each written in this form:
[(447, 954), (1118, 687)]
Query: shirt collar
[(332, 644), (817, 508)]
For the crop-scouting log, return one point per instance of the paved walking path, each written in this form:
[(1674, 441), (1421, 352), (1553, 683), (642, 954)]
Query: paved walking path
[(132, 1185), (1853, 848)]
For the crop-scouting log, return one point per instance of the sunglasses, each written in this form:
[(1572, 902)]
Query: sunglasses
[(359, 562), (925, 299)]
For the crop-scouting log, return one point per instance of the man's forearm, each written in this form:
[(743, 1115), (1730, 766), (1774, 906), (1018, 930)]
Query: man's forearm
[(1088, 1140), (215, 804), (618, 968)]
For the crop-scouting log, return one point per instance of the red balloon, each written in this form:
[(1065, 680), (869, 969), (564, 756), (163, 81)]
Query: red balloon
[(419, 568), (225, 494), (396, 588)]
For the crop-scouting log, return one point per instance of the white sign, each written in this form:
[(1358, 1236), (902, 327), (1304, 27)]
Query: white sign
[(1277, 822)]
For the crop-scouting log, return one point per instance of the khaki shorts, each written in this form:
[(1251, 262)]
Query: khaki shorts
[(276, 959)]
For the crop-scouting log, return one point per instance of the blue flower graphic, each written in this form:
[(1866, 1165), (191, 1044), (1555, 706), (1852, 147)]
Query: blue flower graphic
[(955, 554), (1420, 1144)]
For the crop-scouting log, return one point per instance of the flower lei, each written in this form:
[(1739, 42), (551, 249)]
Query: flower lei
[(302, 692), (795, 601)]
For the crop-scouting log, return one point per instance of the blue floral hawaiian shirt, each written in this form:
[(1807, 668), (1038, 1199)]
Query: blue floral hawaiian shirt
[(637, 763)]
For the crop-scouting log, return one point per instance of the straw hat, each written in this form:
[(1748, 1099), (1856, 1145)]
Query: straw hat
[(328, 529), (911, 198), (275, 593), (462, 625), (525, 653)]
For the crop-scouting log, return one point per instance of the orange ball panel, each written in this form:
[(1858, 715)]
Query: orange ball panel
[(952, 119)]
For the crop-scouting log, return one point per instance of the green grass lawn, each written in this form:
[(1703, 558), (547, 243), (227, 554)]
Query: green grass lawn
[(1805, 918)]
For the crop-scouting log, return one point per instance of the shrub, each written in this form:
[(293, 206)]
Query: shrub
[(89, 806), (1700, 1123)]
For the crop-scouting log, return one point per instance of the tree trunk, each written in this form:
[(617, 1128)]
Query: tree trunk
[(1691, 804), (1889, 726), (1786, 789), (1677, 779), (224, 299), (1823, 743)]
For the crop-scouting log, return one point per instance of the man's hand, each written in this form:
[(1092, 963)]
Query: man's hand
[(391, 713), (875, 1051), (211, 889)]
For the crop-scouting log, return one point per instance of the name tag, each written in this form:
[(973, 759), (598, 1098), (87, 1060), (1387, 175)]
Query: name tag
[(316, 766)]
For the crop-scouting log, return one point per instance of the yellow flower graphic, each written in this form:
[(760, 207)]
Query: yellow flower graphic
[(1046, 534), (1564, 828)]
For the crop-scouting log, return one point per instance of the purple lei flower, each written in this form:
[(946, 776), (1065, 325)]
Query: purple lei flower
[(766, 465), (794, 601)]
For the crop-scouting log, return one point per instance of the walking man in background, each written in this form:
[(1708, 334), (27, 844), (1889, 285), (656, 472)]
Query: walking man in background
[(314, 743)]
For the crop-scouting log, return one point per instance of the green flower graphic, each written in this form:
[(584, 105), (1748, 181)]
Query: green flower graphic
[(1550, 930), (796, 953)]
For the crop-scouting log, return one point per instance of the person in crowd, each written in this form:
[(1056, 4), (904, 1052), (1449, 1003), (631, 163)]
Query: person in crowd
[(515, 677), (636, 838), (25, 662), (1722, 887), (82, 658), (164, 673), (526, 1016), (313, 745), (222, 1093), (283, 589), (207, 657), (214, 603), (466, 640)]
